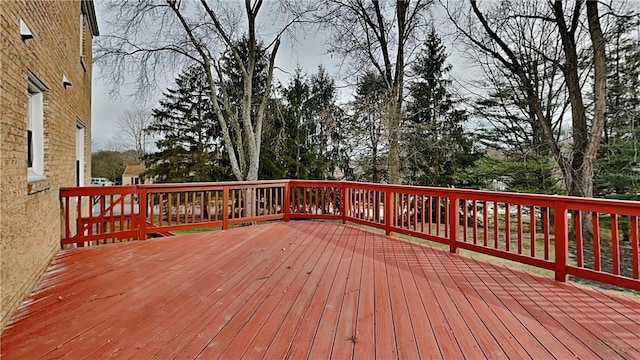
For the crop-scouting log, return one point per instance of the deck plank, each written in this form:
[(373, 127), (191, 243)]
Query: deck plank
[(365, 329), (568, 332), (406, 338), (434, 315), (426, 339), (218, 333), (480, 314), (604, 323), (385, 342), (534, 339), (164, 314), (462, 334), (294, 319), (302, 342), (222, 288), (309, 290), (346, 335), (454, 291), (259, 329), (328, 326), (88, 305)]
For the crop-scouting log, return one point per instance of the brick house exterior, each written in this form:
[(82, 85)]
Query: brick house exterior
[(45, 132)]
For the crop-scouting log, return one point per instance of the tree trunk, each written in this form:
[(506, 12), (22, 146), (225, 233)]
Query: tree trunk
[(394, 139), (600, 94), (582, 180)]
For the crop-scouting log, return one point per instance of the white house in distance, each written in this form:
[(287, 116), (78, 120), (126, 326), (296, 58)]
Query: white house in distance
[(132, 175)]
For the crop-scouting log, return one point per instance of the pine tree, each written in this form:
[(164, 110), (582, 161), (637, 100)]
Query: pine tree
[(618, 166), (189, 146), (297, 118), (520, 157), (368, 129), (304, 143), (436, 147)]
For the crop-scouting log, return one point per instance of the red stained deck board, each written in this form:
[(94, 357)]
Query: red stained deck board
[(406, 338), (178, 317), (346, 336), (617, 323), (270, 322), (437, 293), (85, 304), (531, 335), (426, 340), (303, 339), (326, 333), (385, 341), (456, 296), (282, 294), (334, 290), (479, 313), (603, 322), (434, 316), (560, 321), (217, 332), (365, 328), (531, 306), (296, 316)]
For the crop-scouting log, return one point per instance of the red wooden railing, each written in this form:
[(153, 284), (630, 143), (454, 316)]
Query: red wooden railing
[(594, 239)]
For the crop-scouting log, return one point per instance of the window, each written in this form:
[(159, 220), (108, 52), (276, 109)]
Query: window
[(80, 153), (35, 129), (82, 44)]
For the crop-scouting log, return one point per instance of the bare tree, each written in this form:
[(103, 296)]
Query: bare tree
[(495, 33), (132, 134), (379, 36), (157, 36)]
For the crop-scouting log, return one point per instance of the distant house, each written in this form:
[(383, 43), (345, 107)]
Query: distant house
[(132, 175), (45, 132), (498, 185)]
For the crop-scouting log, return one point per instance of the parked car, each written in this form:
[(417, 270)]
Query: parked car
[(101, 182)]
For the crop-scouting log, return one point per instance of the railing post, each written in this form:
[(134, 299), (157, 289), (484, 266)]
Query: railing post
[(287, 201), (388, 211), (454, 222), (343, 202), (142, 212), (561, 233), (225, 207)]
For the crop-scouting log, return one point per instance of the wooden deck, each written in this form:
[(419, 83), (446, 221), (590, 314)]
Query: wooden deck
[(309, 290)]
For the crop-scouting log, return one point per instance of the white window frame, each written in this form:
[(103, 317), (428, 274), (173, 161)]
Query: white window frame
[(80, 134), (82, 39), (35, 126)]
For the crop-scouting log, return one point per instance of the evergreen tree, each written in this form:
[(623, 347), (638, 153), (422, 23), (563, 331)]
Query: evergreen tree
[(189, 146), (272, 156), (436, 147), (304, 142), (520, 157), (618, 167), (367, 128), (297, 123)]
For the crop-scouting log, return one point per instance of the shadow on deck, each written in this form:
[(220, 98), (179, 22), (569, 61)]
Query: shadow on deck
[(309, 290)]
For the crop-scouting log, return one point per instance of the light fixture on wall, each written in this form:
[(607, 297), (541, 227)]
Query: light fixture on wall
[(25, 32), (65, 82)]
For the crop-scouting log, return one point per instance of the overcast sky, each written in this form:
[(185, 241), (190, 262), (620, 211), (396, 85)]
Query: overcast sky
[(309, 53)]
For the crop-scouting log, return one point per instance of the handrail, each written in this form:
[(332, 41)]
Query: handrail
[(596, 239)]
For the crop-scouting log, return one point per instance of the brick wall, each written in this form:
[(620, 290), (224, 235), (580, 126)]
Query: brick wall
[(30, 212)]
